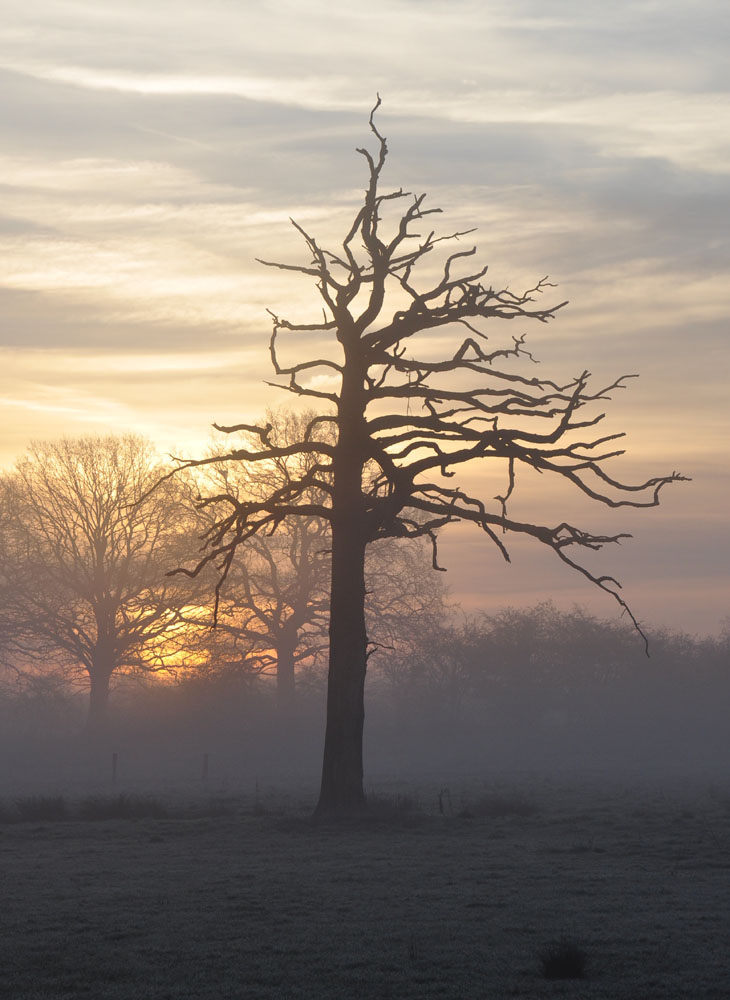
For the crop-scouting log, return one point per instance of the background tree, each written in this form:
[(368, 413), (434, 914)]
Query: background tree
[(274, 602), (86, 547), (406, 419)]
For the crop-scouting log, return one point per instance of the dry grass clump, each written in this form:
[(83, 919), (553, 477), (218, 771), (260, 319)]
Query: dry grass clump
[(54, 808), (389, 807), (40, 808), (563, 959), (497, 806), (100, 807), (213, 808), (379, 810)]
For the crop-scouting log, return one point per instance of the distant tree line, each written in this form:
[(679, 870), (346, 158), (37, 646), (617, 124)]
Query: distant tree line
[(94, 538), (536, 687), (541, 686), (93, 530)]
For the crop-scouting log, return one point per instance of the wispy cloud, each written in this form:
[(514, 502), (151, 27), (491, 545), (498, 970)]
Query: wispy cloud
[(151, 151), (689, 129)]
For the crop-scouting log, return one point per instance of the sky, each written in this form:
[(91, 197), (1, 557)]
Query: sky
[(150, 151)]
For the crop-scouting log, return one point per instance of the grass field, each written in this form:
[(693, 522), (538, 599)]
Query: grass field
[(247, 897)]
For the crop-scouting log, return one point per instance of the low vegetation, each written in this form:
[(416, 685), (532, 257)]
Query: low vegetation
[(122, 806), (563, 959), (272, 905)]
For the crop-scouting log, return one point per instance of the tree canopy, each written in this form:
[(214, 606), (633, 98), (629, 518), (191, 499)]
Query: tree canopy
[(86, 545)]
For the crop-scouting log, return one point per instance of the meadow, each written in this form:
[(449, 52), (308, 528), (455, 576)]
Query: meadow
[(455, 890)]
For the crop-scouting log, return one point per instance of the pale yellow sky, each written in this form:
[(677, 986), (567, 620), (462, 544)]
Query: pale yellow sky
[(151, 151)]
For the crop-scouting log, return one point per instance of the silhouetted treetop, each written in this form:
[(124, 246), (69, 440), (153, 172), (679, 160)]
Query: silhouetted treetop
[(419, 418)]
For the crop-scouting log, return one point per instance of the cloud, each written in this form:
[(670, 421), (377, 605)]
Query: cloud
[(689, 129), (151, 152)]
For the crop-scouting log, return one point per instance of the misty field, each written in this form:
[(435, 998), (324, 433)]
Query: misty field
[(445, 892)]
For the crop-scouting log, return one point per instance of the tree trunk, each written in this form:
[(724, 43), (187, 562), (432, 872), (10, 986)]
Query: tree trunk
[(342, 767), (341, 790), (285, 680), (98, 702)]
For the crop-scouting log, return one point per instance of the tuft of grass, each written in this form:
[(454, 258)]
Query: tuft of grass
[(38, 808), (99, 807), (413, 948), (563, 959), (388, 807), (378, 810), (498, 806), (214, 808), (41, 808)]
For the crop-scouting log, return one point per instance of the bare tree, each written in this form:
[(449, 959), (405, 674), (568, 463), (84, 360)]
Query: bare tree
[(404, 599), (274, 604), (405, 422), (86, 547)]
